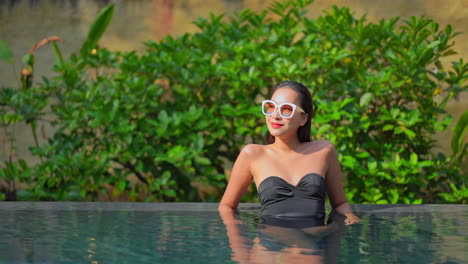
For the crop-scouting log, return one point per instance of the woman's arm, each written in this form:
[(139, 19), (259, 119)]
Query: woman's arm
[(335, 188), (238, 239), (238, 182), (240, 179)]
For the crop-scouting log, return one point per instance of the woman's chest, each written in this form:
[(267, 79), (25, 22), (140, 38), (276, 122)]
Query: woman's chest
[(291, 169)]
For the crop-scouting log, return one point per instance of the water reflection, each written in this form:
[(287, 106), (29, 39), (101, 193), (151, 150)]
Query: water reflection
[(285, 240), (122, 236)]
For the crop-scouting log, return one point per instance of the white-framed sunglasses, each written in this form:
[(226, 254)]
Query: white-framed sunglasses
[(286, 110)]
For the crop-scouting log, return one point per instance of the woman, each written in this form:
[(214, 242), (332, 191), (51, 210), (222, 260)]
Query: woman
[(293, 173)]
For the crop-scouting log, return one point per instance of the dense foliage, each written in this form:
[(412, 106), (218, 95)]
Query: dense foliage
[(165, 125)]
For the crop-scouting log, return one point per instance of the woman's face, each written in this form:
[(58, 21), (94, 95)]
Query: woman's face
[(285, 127)]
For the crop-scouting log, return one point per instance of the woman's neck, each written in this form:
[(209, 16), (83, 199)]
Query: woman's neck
[(291, 144)]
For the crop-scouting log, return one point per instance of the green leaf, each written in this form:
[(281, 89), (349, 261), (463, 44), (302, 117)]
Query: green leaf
[(414, 117), (12, 118), (365, 99), (349, 161), (202, 160), (28, 59), (388, 127), (394, 112), (394, 196), (251, 71), (346, 101), (323, 129), (459, 133), (97, 29), (163, 116), (382, 201), (410, 133), (292, 68), (24, 195), (169, 193), (432, 45), (122, 185), (372, 166), (414, 158), (364, 154), (5, 53), (397, 160), (377, 196), (426, 163), (58, 53)]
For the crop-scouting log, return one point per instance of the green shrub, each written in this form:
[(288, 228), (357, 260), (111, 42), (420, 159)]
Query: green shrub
[(166, 124)]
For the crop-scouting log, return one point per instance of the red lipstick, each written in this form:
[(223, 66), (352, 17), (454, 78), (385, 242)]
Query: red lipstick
[(276, 125)]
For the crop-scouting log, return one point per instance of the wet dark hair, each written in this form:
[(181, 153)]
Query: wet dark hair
[(303, 133)]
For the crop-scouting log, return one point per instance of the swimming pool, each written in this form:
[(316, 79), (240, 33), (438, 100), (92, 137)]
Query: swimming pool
[(69, 232)]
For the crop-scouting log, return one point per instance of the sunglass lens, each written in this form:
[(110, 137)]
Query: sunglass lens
[(268, 108), (286, 110)]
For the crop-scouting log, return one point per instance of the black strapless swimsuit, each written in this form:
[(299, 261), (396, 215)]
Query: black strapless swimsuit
[(280, 199)]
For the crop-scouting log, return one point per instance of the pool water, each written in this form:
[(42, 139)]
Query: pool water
[(195, 233)]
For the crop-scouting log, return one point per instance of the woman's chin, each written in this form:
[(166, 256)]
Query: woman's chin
[(276, 133)]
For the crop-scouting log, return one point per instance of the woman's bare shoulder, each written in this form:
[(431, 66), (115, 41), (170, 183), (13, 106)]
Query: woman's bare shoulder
[(321, 145), (253, 149)]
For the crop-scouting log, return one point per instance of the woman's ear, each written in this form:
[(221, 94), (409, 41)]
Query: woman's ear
[(304, 118)]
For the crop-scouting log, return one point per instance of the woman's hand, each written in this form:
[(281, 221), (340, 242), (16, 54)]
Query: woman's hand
[(351, 219), (228, 215)]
